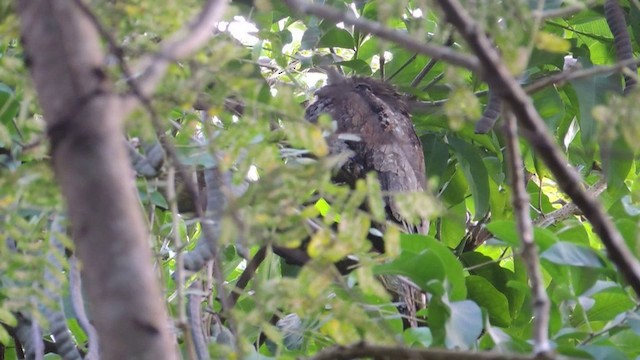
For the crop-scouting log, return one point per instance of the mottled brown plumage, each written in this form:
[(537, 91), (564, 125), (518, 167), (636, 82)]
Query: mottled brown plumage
[(381, 139), (388, 145)]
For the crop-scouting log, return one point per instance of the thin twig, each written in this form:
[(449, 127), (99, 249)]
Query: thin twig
[(179, 275), (400, 38), (565, 76), (425, 70), (520, 201), (248, 274), (569, 209)]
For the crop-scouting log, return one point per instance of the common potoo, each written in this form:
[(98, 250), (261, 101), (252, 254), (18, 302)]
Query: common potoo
[(385, 140), (381, 139)]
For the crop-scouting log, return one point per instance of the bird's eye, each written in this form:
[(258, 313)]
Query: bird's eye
[(363, 87)]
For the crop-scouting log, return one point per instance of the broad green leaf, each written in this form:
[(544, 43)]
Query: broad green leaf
[(551, 43), (5, 338), (600, 352), (452, 266), (420, 336), (476, 173), (360, 67), (550, 106), (591, 92), (617, 159), (456, 188), (506, 231), (436, 155), (464, 325), (341, 331), (454, 324), (504, 280), (566, 253), (609, 304), (422, 268), (336, 37), (629, 231), (6, 317), (8, 105), (310, 37), (158, 199), (627, 341), (487, 296)]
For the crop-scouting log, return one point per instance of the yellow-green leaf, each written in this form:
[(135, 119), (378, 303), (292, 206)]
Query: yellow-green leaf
[(552, 43)]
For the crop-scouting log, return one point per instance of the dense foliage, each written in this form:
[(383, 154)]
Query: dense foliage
[(249, 85)]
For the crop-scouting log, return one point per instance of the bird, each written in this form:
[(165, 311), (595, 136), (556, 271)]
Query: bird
[(375, 131), (382, 138)]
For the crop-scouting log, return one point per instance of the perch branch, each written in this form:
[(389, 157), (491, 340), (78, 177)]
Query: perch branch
[(365, 350)]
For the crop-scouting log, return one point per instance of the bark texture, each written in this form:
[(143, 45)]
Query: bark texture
[(90, 162)]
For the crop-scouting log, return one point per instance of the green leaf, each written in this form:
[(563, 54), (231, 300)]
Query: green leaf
[(158, 199), (617, 160), (6, 317), (504, 280), (476, 174), (456, 188), (550, 106), (5, 338), (464, 325), (336, 37), (420, 335), (452, 266), (599, 352), (566, 253), (455, 324), (592, 91), (436, 156), (609, 304), (422, 268), (310, 38), (506, 231), (487, 296), (360, 67), (629, 231), (8, 104)]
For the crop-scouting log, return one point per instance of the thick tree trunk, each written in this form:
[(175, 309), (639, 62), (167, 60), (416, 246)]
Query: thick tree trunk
[(84, 123)]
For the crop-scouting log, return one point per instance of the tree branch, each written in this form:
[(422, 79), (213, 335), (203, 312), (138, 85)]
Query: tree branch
[(534, 129), (576, 73), (91, 165), (400, 38), (365, 350)]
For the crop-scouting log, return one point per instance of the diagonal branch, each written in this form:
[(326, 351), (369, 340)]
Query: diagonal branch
[(336, 16), (534, 129)]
